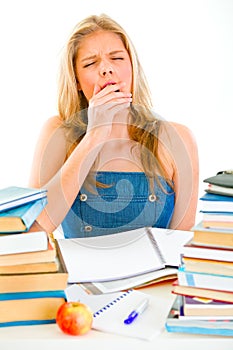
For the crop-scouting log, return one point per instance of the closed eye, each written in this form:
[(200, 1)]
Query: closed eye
[(88, 64), (117, 58)]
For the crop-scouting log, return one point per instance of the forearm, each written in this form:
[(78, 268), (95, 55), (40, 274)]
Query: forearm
[(64, 186)]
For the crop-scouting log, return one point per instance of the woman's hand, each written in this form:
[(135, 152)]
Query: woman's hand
[(104, 105)]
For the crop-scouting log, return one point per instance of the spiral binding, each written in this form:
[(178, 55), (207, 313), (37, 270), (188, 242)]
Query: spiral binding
[(155, 244), (113, 302)]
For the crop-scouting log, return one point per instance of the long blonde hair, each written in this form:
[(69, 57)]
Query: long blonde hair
[(72, 104)]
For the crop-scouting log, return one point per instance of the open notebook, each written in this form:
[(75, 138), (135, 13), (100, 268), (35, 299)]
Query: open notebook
[(122, 255), (110, 310)]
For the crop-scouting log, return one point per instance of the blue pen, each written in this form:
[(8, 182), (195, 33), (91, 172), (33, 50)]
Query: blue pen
[(137, 311)]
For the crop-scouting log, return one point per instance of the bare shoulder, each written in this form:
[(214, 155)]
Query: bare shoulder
[(183, 131), (53, 129), (172, 132), (52, 137), (52, 124)]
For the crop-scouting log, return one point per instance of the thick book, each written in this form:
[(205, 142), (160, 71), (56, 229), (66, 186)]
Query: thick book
[(218, 221), (221, 183), (176, 324), (41, 256), (13, 196), (50, 266), (224, 191), (208, 266), (23, 243), (21, 218), (31, 282), (121, 255), (216, 203), (202, 292), (30, 308), (222, 178), (212, 236), (194, 306), (204, 280), (206, 252)]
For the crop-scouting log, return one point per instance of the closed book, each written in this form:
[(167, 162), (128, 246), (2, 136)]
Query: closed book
[(216, 203), (40, 261), (202, 292), (23, 243), (219, 221), (13, 196), (206, 252), (222, 178), (176, 324), (47, 255), (212, 236), (50, 266), (31, 282), (208, 266), (21, 218), (30, 308), (196, 306), (224, 191), (204, 280), (208, 318)]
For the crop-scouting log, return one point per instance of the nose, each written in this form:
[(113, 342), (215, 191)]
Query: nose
[(106, 70)]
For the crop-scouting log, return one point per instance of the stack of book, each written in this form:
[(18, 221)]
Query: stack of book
[(204, 288), (33, 277)]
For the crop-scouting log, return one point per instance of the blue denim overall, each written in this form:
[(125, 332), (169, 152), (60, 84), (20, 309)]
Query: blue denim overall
[(126, 204)]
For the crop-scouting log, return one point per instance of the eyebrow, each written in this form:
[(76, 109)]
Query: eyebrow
[(112, 53)]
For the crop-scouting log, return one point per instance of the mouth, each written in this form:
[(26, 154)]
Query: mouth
[(109, 83)]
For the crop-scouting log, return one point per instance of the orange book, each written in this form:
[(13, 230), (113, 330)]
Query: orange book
[(202, 292), (31, 282)]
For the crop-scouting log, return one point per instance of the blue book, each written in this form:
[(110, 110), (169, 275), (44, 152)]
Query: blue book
[(30, 308), (13, 196), (216, 203), (176, 324), (216, 197), (21, 218)]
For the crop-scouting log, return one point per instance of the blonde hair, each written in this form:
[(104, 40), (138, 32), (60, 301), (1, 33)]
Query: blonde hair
[(72, 105)]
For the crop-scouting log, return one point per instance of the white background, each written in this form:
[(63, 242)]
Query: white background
[(185, 47)]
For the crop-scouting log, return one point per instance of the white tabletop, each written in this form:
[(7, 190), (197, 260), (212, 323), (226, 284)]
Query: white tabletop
[(50, 337)]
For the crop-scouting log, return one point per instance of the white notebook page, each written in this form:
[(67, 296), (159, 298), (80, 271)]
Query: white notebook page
[(109, 257)]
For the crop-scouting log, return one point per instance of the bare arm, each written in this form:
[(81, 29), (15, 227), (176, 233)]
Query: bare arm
[(180, 150), (64, 178), (61, 178)]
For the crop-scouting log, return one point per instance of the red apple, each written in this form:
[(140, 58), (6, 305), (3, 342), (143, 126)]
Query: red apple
[(74, 318)]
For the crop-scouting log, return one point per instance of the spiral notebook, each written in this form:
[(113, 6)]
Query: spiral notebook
[(110, 310), (122, 255)]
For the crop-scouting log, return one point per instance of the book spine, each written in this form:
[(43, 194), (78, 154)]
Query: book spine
[(33, 295), (198, 330), (26, 323)]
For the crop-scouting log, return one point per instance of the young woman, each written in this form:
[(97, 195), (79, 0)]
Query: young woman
[(108, 162)]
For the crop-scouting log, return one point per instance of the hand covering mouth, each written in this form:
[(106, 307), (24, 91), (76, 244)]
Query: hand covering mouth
[(109, 83)]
